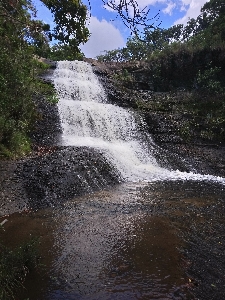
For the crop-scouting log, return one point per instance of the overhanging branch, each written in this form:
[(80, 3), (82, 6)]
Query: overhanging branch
[(132, 16)]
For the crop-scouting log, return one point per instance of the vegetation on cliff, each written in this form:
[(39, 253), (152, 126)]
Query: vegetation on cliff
[(190, 56), (187, 58)]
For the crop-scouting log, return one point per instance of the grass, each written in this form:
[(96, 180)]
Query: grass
[(15, 265)]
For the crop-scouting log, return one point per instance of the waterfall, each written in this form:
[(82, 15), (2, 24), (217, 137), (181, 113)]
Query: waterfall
[(87, 119)]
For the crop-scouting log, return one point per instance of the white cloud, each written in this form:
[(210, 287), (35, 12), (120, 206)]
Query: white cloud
[(193, 10), (104, 36), (169, 9)]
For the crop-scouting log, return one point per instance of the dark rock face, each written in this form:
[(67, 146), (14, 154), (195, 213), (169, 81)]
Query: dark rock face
[(52, 176), (12, 193), (123, 97), (162, 128), (63, 174), (47, 129)]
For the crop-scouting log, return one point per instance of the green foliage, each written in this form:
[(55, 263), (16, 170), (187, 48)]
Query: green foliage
[(162, 102), (207, 120), (123, 77), (185, 131), (39, 37), (209, 80), (209, 111), (195, 116), (65, 52), (15, 265), (52, 98), (142, 48), (17, 81), (135, 50), (112, 55), (70, 19)]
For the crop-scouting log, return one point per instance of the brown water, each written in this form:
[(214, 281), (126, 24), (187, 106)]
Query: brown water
[(114, 244)]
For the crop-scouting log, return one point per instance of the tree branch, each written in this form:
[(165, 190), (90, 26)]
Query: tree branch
[(133, 18)]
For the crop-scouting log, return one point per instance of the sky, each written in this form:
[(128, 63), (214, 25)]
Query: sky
[(107, 29)]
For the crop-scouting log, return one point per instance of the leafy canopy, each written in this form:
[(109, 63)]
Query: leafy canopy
[(70, 19)]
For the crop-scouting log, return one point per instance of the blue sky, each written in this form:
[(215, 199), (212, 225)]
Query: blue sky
[(109, 32)]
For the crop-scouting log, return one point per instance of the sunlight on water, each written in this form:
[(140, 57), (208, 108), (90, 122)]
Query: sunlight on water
[(88, 120)]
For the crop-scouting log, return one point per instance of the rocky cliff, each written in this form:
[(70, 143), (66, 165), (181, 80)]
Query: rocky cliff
[(168, 117)]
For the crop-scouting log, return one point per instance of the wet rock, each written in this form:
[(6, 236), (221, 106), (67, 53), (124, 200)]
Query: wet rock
[(51, 179), (12, 193), (47, 128), (52, 176)]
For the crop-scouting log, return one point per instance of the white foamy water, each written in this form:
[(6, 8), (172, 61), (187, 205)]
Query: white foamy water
[(88, 120)]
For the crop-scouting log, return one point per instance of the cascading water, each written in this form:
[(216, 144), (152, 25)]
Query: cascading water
[(88, 120)]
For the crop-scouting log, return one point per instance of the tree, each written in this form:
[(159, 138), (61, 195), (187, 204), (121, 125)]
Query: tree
[(37, 34), (16, 79), (70, 19), (135, 48), (210, 23), (141, 49), (21, 38), (111, 55), (62, 51), (214, 11)]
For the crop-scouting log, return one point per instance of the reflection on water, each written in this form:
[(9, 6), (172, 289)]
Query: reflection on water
[(112, 248), (120, 243)]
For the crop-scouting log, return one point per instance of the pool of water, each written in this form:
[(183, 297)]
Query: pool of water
[(120, 243)]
